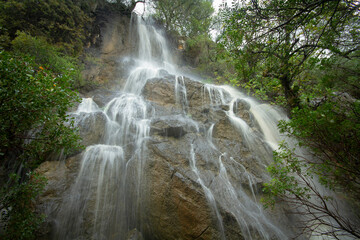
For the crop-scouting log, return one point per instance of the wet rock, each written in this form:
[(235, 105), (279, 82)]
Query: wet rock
[(214, 96), (241, 105), (179, 208), (241, 109), (159, 111), (160, 91), (60, 175), (225, 130), (194, 93), (101, 96), (102, 66), (197, 169), (164, 73), (134, 235), (172, 126), (177, 205), (92, 127)]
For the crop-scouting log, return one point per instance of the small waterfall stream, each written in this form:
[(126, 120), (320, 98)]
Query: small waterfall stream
[(110, 185)]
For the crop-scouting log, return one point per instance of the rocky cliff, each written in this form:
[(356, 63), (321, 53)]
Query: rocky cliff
[(176, 202), (166, 157)]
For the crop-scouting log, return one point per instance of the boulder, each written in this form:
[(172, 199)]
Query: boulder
[(178, 206), (91, 126), (160, 90), (172, 126)]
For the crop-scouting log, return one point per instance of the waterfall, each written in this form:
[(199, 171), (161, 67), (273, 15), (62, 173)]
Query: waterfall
[(108, 198)]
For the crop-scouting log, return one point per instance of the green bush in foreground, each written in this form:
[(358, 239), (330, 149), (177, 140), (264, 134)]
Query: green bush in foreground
[(330, 133), (34, 102), (18, 216)]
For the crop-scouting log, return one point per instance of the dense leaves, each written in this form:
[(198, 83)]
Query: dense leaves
[(332, 133), (273, 40), (321, 212), (48, 56), (340, 73), (17, 216), (33, 124), (186, 17), (38, 72), (34, 101), (61, 22), (190, 21)]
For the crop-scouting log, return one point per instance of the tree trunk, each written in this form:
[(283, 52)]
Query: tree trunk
[(291, 96)]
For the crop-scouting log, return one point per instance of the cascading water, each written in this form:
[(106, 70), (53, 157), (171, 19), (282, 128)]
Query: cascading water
[(111, 172), (110, 186), (180, 93)]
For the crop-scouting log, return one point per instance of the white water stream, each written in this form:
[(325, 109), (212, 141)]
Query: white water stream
[(110, 179)]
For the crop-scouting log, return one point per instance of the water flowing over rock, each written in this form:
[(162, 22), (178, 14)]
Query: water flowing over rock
[(166, 157)]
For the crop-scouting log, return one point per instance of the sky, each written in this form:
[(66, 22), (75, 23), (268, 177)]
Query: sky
[(216, 4)]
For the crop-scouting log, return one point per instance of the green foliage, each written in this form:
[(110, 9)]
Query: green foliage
[(283, 171), (272, 41), (61, 22), (341, 73), (34, 101), (329, 129), (208, 59), (332, 133), (48, 56), (36, 79), (295, 183), (191, 21), (185, 17), (18, 216)]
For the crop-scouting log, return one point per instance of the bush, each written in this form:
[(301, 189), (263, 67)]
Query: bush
[(330, 132), (61, 22), (48, 56), (34, 102), (18, 215)]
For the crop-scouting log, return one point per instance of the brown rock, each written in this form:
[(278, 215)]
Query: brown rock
[(178, 206), (161, 91)]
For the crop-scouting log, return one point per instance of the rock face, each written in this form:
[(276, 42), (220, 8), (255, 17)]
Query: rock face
[(60, 176), (166, 158), (103, 65), (92, 127), (202, 175), (176, 197)]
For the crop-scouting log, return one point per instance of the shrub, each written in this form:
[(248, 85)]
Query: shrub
[(330, 132), (34, 102), (18, 215), (48, 56)]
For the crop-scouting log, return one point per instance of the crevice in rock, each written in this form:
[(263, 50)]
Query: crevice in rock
[(202, 232), (173, 173)]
